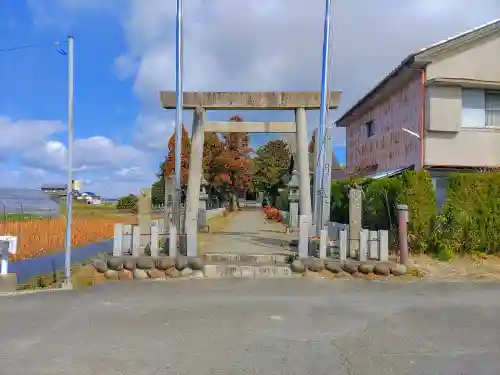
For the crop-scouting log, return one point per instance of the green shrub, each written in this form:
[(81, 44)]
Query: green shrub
[(470, 219), (128, 202), (339, 200), (379, 203), (418, 193)]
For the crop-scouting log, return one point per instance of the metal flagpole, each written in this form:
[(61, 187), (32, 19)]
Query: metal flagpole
[(178, 122), (320, 168), (69, 183)]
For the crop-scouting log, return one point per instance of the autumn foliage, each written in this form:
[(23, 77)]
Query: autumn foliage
[(170, 161), (272, 213)]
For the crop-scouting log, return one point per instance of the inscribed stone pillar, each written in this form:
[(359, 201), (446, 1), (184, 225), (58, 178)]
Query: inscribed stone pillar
[(303, 163), (293, 197), (202, 210), (144, 213), (193, 189), (355, 220), (169, 199)]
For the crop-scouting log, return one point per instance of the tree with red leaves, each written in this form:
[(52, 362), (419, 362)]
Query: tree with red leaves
[(231, 166), (169, 165)]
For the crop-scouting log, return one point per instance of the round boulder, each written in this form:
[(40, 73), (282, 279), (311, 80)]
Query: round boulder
[(164, 263), (350, 268), (180, 262), (186, 272), (314, 264), (115, 264), (145, 263), (172, 273), (398, 269), (366, 268), (111, 275), (195, 264), (140, 274), (129, 264), (125, 275), (155, 273), (100, 265), (358, 275), (382, 270), (197, 274), (333, 267), (298, 267)]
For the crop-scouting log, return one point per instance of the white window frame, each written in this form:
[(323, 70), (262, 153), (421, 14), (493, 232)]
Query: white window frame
[(474, 112)]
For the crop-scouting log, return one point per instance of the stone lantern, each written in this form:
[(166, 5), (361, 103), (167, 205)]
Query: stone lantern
[(293, 198)]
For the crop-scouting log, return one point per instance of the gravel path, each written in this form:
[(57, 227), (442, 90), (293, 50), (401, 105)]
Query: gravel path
[(234, 327)]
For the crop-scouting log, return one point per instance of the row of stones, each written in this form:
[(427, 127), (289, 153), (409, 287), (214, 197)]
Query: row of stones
[(317, 265), (143, 268)]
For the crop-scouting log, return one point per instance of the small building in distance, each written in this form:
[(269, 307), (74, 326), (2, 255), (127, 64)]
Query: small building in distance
[(90, 198)]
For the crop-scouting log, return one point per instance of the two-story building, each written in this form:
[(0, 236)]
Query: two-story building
[(439, 109)]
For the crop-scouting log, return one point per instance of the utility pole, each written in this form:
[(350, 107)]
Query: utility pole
[(178, 127), (69, 183), (324, 135)]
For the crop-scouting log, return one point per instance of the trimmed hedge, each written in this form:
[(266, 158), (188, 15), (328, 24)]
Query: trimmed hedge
[(470, 219), (418, 193)]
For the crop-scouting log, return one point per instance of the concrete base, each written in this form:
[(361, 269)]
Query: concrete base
[(254, 259), (247, 265), (246, 271), (8, 283)]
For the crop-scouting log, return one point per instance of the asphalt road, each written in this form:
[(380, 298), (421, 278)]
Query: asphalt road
[(254, 327)]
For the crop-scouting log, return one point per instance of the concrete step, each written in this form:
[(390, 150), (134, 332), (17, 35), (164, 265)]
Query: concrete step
[(249, 259), (245, 270)]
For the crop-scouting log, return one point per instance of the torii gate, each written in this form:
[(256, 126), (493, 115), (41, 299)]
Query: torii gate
[(200, 102)]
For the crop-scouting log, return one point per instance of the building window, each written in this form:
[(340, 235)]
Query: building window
[(492, 105), (480, 108), (370, 129)]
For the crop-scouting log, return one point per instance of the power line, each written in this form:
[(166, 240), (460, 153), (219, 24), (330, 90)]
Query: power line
[(29, 46)]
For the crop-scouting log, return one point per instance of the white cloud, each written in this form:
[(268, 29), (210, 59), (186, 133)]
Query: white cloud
[(43, 159), (277, 44), (23, 135), (271, 45)]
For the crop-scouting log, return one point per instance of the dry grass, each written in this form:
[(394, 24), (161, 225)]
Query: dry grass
[(478, 267), (44, 236)]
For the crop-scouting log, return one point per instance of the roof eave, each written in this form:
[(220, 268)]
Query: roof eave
[(408, 62)]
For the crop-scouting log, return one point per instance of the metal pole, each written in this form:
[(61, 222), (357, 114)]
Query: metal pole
[(403, 233), (322, 120), (69, 183), (178, 121)]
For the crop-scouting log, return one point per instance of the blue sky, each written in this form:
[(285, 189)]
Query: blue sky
[(125, 55)]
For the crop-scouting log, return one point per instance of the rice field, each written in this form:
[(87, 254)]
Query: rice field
[(38, 237)]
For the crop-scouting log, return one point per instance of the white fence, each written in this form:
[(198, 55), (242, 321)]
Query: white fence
[(374, 245), (128, 239)]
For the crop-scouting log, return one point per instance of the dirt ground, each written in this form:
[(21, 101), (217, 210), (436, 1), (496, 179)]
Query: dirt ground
[(461, 268)]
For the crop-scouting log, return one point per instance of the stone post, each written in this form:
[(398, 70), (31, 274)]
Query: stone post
[(355, 220), (202, 210), (303, 162), (293, 198), (144, 213), (193, 189), (169, 200), (403, 219)]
